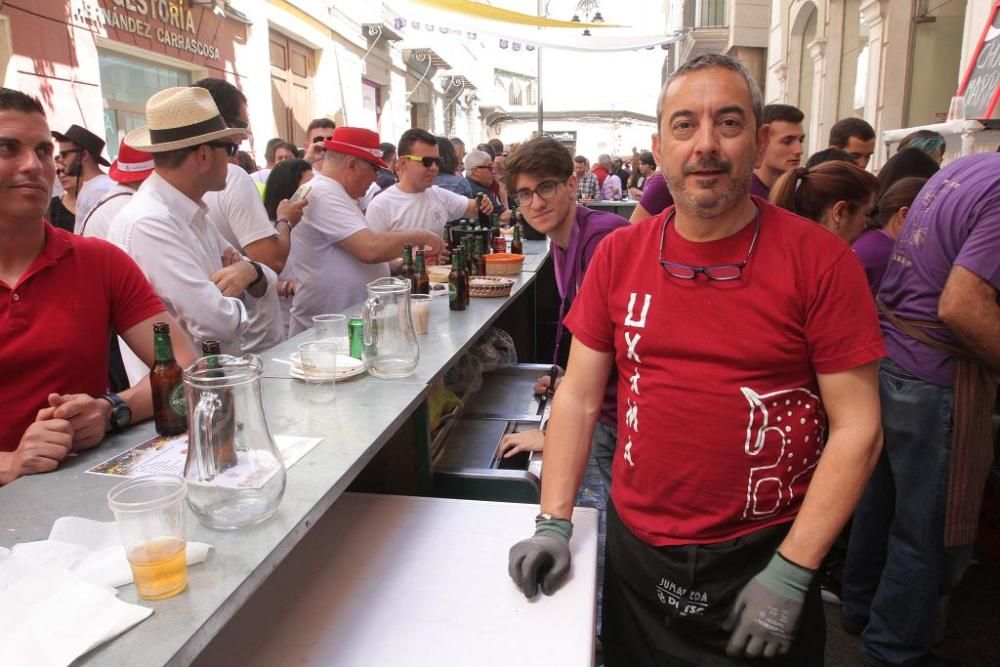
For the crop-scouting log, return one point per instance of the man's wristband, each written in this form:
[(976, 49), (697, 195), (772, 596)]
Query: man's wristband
[(260, 273)]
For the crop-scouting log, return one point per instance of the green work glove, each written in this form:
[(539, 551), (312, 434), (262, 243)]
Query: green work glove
[(543, 558), (766, 613)]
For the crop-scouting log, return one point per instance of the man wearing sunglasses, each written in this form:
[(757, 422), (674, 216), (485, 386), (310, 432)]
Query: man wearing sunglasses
[(80, 157), (201, 278), (319, 132), (415, 202), (745, 345)]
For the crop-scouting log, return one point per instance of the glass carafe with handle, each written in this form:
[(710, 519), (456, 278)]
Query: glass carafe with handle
[(235, 475), (391, 350)]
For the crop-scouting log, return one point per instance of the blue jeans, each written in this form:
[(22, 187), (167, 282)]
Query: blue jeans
[(897, 567), (602, 449)]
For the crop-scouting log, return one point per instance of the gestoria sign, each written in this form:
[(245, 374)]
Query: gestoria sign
[(170, 23)]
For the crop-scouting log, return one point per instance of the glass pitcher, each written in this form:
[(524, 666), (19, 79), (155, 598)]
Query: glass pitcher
[(234, 472), (391, 349)]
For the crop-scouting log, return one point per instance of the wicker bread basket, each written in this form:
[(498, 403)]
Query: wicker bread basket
[(490, 286), (503, 264)]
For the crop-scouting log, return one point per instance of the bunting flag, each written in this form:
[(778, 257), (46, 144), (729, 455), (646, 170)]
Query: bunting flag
[(480, 11), (588, 44)]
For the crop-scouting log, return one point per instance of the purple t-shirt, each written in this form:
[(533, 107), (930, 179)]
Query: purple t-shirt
[(954, 221), (571, 264), (655, 195), (874, 248), (758, 188)]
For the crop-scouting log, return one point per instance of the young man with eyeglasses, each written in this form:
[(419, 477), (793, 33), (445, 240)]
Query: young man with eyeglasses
[(415, 202), (748, 421), (540, 174), (201, 278)]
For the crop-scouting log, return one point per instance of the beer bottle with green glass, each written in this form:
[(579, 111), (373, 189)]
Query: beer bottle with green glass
[(407, 272), (421, 281), (166, 385)]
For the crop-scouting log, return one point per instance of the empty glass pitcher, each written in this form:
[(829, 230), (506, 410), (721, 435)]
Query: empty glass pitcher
[(234, 472), (391, 349)]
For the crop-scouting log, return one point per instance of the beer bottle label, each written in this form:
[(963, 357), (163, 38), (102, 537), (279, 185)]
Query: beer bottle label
[(452, 292), (178, 401)]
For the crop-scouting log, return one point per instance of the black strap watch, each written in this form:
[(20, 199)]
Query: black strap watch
[(121, 413), (260, 272)]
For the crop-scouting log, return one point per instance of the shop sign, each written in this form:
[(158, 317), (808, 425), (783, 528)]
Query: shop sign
[(169, 22)]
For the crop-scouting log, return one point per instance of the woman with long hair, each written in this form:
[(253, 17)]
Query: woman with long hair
[(447, 177), (928, 141), (837, 195), (905, 163), (62, 209), (285, 178), (874, 246)]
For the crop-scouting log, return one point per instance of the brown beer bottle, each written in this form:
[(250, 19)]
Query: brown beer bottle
[(516, 245), (422, 281), (224, 422), (498, 241), (167, 385), (458, 282), (407, 272), (481, 258), (484, 218)]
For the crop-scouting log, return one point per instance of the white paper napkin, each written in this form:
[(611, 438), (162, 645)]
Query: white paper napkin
[(51, 616)]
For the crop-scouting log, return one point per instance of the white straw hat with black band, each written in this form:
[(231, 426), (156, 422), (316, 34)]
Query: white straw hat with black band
[(179, 118)]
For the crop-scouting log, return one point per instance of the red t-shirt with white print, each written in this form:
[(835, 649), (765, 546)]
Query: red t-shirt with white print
[(720, 425)]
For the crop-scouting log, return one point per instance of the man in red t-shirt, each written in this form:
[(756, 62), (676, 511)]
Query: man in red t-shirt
[(745, 342), (60, 295)]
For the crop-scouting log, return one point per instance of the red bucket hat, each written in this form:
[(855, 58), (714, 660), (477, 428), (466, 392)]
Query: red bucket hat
[(358, 142), (131, 165)]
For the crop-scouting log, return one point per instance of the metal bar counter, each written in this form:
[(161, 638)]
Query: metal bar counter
[(366, 414)]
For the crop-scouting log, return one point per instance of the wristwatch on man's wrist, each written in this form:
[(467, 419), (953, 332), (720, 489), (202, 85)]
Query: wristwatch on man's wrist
[(260, 272), (121, 414)]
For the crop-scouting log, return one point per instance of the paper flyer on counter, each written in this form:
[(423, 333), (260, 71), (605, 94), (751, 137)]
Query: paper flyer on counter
[(166, 456)]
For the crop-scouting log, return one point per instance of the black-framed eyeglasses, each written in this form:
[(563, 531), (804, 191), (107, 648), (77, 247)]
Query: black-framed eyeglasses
[(546, 190), (719, 272), (319, 138), (230, 148), (426, 161)]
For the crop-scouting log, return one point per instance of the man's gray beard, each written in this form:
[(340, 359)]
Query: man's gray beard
[(710, 206)]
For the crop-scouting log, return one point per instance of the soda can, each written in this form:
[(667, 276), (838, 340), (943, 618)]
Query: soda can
[(356, 334)]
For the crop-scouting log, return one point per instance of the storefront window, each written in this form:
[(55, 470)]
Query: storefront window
[(126, 84)]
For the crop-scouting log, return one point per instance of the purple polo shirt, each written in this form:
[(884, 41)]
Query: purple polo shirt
[(954, 221), (655, 195), (758, 188), (874, 248), (589, 229)]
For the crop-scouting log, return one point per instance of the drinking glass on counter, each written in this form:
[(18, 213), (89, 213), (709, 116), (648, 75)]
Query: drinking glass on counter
[(319, 368), (149, 512), (332, 326), (420, 308)]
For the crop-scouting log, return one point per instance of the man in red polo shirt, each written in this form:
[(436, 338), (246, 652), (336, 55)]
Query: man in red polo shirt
[(59, 296)]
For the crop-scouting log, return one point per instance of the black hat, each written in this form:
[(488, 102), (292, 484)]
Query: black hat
[(86, 140)]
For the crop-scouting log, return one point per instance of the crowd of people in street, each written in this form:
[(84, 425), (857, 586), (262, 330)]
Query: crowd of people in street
[(784, 367)]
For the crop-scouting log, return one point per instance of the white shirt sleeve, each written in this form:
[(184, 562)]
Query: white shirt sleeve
[(197, 304), (454, 204), (379, 212), (239, 207)]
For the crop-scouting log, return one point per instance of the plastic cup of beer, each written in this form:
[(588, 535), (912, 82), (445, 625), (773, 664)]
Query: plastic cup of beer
[(318, 361), (420, 311), (149, 512)]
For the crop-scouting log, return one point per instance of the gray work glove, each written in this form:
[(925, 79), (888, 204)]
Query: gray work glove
[(543, 558), (766, 613)]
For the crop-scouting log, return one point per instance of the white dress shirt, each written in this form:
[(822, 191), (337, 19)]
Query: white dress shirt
[(90, 193), (170, 238), (239, 215), (98, 222), (329, 278)]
